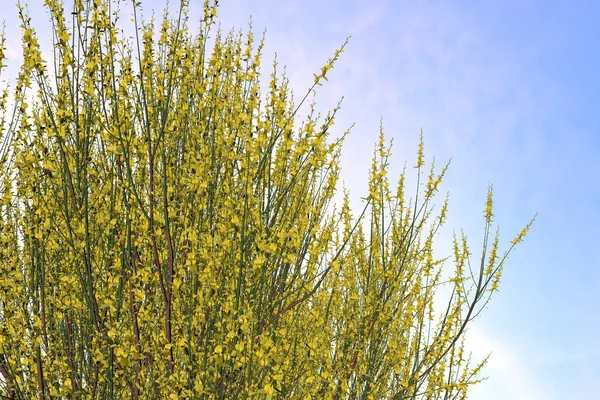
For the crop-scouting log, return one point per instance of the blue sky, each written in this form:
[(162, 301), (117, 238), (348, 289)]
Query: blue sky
[(508, 90)]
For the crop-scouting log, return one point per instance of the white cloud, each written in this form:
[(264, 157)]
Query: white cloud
[(513, 378)]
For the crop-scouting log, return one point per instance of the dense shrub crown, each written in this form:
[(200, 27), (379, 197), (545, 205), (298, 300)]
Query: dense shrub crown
[(167, 232)]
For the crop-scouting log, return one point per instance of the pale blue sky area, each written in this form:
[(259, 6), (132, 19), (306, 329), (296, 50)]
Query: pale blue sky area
[(509, 90)]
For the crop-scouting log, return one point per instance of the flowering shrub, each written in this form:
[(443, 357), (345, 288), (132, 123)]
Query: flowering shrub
[(166, 232)]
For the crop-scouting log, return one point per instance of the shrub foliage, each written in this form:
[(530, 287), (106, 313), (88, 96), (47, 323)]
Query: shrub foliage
[(167, 232)]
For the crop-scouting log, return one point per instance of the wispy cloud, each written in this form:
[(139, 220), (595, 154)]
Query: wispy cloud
[(511, 371)]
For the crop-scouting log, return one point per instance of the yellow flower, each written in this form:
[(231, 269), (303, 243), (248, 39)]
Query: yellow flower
[(269, 390)]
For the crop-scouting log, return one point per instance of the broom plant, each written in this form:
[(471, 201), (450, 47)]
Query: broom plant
[(168, 231)]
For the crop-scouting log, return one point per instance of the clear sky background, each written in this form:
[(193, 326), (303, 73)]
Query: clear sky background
[(507, 89)]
